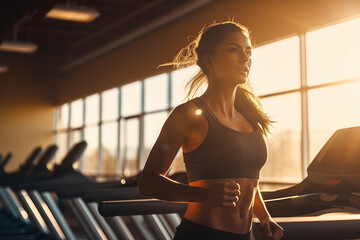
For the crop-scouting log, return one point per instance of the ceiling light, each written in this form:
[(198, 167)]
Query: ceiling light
[(19, 47), (3, 68), (73, 13)]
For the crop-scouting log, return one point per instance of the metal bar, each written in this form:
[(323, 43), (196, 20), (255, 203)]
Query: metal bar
[(46, 214), (167, 226), (58, 215), (157, 227), (173, 219), (120, 228), (142, 226), (79, 218), (33, 212), (101, 221), (9, 203), (87, 220)]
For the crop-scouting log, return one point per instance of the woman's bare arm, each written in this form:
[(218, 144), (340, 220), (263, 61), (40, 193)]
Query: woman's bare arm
[(270, 229), (259, 207), (153, 181)]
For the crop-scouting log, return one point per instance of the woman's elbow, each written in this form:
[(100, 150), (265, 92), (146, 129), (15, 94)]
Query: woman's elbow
[(144, 185)]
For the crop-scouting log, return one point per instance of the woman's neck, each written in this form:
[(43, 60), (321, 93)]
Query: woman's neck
[(221, 99)]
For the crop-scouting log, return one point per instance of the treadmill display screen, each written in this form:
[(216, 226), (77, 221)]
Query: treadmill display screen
[(340, 155)]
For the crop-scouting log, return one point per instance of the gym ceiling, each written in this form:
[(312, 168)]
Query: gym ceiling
[(65, 45)]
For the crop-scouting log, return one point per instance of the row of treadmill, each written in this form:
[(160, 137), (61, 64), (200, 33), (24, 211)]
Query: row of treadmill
[(62, 203)]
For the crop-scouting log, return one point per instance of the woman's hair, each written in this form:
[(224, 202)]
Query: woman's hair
[(210, 36)]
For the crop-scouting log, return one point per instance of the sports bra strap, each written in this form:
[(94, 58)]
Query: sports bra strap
[(208, 114)]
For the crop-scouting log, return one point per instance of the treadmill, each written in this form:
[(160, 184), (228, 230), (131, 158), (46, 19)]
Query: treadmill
[(332, 184)]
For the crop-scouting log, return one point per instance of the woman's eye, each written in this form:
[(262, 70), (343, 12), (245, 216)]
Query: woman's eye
[(233, 50)]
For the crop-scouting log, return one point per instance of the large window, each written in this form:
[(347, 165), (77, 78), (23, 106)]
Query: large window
[(309, 85), (156, 93), (333, 53), (178, 82), (284, 144), (275, 71), (331, 108), (276, 66)]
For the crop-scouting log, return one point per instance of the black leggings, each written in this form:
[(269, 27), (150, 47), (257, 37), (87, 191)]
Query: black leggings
[(189, 230)]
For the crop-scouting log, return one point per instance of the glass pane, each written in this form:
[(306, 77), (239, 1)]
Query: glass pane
[(284, 145), (62, 147), (130, 147), (152, 126), (131, 99), (332, 108), (75, 137), (109, 147), (156, 89), (63, 117), (76, 113), (92, 105), (110, 104), (179, 79), (91, 160), (121, 132), (276, 66), (333, 53)]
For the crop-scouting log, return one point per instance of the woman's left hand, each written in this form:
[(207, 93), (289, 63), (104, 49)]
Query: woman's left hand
[(270, 230)]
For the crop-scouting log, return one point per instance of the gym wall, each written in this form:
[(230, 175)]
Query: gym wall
[(26, 113)]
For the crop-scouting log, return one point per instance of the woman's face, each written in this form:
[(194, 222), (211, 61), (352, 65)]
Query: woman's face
[(232, 60)]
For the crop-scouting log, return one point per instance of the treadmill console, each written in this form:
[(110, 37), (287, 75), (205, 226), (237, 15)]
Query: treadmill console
[(338, 160)]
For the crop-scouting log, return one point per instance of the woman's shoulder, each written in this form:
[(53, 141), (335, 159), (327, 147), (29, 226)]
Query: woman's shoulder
[(186, 113), (185, 110)]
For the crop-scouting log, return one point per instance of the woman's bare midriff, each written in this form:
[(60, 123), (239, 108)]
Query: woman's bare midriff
[(231, 219)]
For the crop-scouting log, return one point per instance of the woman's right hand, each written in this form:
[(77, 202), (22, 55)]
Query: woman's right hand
[(222, 194)]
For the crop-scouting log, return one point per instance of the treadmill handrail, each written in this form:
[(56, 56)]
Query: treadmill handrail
[(139, 207), (75, 152), (5, 161), (30, 159), (46, 157), (284, 207), (123, 193)]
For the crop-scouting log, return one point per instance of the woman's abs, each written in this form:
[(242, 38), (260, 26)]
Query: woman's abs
[(232, 219)]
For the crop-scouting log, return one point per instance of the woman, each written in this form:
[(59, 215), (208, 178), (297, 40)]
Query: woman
[(221, 134)]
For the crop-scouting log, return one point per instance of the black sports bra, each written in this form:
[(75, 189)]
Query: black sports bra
[(225, 152)]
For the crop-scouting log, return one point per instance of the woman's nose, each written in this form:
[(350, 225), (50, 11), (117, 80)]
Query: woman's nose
[(244, 58)]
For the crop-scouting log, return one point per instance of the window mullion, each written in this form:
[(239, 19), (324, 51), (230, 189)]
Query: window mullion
[(100, 134), (141, 159), (82, 135), (304, 107), (119, 164)]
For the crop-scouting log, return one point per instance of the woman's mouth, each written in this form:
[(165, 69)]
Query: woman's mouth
[(244, 72)]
